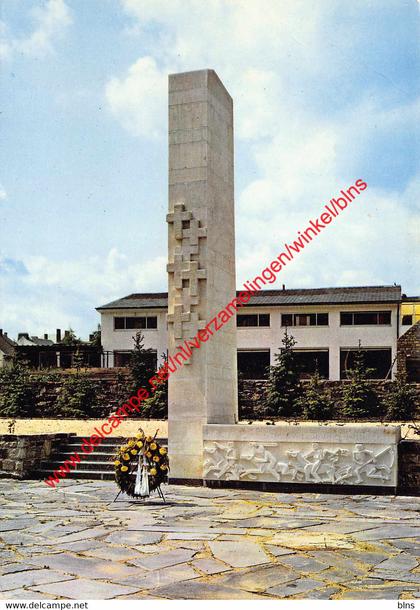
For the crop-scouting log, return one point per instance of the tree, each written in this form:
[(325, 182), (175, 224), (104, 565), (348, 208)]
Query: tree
[(78, 359), (141, 364), (401, 402), (284, 387), (358, 399), (17, 396), (70, 338), (316, 402), (156, 407), (77, 398), (95, 337)]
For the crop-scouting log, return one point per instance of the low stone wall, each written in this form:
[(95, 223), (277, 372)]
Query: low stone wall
[(19, 455), (251, 395), (408, 352), (409, 467)]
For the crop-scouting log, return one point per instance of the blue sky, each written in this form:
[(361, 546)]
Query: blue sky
[(325, 92)]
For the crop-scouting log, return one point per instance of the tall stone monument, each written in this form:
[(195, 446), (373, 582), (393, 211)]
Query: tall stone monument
[(201, 263)]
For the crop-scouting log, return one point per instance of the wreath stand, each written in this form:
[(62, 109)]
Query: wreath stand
[(142, 499)]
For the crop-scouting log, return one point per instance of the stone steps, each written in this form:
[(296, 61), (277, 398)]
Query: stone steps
[(97, 465)]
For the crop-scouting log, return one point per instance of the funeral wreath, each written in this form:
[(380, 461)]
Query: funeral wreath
[(141, 465)]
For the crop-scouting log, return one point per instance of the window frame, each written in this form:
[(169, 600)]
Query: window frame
[(377, 313), (294, 317), (263, 350), (145, 318), (315, 350), (404, 316), (387, 349), (258, 320)]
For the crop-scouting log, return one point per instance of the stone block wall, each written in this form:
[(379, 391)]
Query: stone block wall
[(252, 394), (19, 455), (409, 467), (408, 350)]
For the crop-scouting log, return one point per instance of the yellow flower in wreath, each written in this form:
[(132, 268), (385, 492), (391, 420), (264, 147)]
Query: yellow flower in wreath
[(162, 451), (139, 435), (139, 444), (126, 457), (134, 452), (117, 463), (153, 472), (156, 458), (130, 443), (124, 468), (163, 467), (153, 446), (149, 439), (148, 454)]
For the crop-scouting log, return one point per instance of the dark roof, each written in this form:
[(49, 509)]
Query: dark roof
[(406, 298), (299, 296), (7, 345), (139, 301), (42, 342)]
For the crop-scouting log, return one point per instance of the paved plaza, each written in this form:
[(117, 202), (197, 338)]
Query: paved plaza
[(75, 543)]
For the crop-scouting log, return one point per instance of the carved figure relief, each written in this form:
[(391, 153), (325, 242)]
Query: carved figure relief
[(318, 463)]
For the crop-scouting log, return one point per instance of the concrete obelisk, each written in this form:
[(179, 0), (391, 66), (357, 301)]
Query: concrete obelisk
[(201, 263)]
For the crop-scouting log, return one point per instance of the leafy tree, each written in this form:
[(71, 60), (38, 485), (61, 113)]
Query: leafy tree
[(316, 402), (358, 399), (96, 337), (17, 396), (401, 402), (70, 338), (284, 387), (141, 364)]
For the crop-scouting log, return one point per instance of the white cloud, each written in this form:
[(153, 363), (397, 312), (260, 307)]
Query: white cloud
[(247, 42), (139, 98), (50, 22), (65, 293)]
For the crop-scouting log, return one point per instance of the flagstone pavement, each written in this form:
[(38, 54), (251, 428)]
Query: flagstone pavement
[(74, 542)]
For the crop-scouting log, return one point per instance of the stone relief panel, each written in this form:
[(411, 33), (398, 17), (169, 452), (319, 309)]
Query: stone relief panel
[(349, 464), (187, 234)]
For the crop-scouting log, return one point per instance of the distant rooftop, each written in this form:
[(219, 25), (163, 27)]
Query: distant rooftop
[(406, 298), (298, 296), (7, 346)]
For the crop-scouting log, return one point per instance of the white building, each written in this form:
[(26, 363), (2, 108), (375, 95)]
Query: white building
[(327, 324)]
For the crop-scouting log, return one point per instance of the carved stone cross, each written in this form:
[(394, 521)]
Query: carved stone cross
[(193, 325), (194, 232), (184, 298), (193, 274), (177, 267), (177, 319), (177, 217)]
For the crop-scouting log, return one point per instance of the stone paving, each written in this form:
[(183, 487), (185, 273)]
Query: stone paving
[(75, 543)]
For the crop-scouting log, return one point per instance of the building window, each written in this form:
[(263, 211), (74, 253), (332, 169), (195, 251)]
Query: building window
[(122, 358), (379, 360), (365, 318), (407, 320), (135, 323), (254, 364), (257, 319), (304, 319), (311, 361)]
